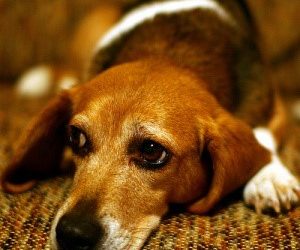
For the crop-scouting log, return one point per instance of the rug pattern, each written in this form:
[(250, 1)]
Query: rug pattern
[(25, 219)]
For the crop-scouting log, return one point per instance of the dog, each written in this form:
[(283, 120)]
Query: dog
[(178, 108)]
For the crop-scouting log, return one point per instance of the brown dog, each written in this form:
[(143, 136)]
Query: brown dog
[(178, 110)]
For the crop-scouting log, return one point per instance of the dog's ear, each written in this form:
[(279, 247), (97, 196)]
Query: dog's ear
[(40, 147), (235, 156)]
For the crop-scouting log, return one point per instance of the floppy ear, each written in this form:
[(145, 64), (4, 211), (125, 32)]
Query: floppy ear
[(40, 147), (235, 157)]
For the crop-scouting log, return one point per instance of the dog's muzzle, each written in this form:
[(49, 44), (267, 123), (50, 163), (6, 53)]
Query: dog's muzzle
[(78, 232)]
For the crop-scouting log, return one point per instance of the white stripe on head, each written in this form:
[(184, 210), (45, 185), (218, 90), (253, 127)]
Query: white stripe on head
[(149, 11)]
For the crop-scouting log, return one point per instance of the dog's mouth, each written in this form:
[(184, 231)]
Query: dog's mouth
[(86, 234), (118, 238)]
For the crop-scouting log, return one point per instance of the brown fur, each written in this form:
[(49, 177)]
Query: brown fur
[(228, 61), (177, 76), (182, 106)]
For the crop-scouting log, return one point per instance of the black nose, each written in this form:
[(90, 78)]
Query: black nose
[(77, 232)]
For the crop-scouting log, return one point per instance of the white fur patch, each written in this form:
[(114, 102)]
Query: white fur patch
[(265, 138), (35, 82), (116, 237), (67, 82), (149, 11), (273, 186)]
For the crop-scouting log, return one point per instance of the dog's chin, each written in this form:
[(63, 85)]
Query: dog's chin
[(116, 237)]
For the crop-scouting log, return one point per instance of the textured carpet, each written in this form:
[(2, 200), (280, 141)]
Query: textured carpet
[(25, 219)]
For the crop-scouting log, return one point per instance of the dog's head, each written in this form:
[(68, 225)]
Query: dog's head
[(143, 135)]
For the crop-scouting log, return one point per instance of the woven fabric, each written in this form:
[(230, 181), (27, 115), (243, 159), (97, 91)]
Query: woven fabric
[(25, 219)]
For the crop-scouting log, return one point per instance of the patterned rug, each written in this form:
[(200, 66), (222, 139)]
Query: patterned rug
[(25, 219)]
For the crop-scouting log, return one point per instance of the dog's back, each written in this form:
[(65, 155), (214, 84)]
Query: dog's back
[(214, 40)]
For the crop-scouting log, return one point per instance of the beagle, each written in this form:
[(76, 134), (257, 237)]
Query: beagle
[(178, 109)]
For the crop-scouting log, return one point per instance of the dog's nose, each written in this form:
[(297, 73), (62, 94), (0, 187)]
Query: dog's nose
[(77, 233)]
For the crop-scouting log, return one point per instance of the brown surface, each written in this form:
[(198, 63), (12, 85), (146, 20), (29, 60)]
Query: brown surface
[(25, 219)]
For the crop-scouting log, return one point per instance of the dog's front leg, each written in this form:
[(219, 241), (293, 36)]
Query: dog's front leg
[(274, 186)]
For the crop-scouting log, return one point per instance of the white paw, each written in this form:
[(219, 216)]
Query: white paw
[(274, 187)]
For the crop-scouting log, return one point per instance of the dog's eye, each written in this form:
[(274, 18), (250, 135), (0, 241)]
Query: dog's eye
[(78, 140), (152, 154)]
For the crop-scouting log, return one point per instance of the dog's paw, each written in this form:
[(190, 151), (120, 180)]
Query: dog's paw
[(274, 187)]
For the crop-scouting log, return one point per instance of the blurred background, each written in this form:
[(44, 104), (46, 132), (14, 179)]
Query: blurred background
[(42, 31), (36, 32)]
